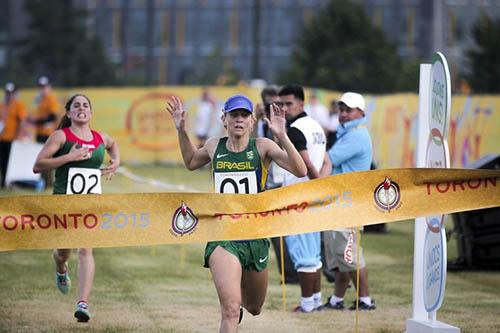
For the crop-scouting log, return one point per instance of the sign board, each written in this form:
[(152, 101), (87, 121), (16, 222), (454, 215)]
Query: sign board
[(430, 257), (437, 156), (434, 269), (440, 95)]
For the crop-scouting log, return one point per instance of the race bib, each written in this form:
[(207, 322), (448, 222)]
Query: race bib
[(235, 182), (84, 181)]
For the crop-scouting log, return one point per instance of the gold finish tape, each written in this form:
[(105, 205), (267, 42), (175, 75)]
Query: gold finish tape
[(142, 219)]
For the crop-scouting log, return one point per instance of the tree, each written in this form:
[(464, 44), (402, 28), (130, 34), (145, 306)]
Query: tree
[(484, 58), (340, 49), (214, 69), (57, 45)]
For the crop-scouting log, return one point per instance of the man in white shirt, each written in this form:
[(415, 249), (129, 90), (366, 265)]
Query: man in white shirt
[(309, 139)]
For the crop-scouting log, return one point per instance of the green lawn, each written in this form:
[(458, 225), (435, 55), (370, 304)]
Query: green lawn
[(165, 288)]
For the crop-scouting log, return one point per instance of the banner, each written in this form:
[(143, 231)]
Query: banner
[(136, 119), (347, 200)]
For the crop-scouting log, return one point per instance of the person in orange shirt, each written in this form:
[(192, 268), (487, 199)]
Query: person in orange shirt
[(46, 118), (12, 116), (47, 111)]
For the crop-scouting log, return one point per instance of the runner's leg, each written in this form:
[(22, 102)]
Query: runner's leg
[(86, 269), (253, 290), (61, 256), (226, 272)]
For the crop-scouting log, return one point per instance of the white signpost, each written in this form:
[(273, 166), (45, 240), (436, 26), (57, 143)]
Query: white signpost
[(429, 259)]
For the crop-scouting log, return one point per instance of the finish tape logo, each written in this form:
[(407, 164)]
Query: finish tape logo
[(184, 221), (387, 195)]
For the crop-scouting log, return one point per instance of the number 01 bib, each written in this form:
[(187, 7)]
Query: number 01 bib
[(84, 181), (236, 182), (238, 172)]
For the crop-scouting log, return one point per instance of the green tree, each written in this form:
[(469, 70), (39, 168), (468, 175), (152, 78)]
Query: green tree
[(214, 69), (57, 45), (484, 57), (340, 49)]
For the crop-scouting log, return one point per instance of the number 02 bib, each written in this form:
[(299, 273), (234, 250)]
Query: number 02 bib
[(84, 181)]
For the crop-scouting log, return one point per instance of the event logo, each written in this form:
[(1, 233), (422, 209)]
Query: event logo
[(148, 125), (184, 221), (387, 195)]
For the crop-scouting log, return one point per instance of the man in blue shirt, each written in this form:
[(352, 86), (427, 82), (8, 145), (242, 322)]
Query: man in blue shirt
[(351, 152)]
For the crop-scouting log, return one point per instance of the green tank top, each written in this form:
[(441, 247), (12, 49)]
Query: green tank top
[(96, 147), (241, 172)]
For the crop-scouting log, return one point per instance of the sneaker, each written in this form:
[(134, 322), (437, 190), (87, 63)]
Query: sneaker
[(299, 309), (363, 305), (63, 281), (82, 313), (241, 315), (337, 306)]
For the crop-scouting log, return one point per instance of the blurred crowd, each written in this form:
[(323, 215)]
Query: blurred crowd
[(18, 122), (332, 140)]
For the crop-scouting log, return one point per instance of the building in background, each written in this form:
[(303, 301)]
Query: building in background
[(195, 41)]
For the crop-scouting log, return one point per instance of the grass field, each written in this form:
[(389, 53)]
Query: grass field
[(165, 288)]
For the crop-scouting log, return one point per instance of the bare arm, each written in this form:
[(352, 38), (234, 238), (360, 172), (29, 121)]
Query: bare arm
[(288, 158), (193, 157), (45, 160), (326, 168), (312, 173), (114, 153)]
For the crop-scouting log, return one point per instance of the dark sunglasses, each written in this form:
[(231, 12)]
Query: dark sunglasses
[(345, 108)]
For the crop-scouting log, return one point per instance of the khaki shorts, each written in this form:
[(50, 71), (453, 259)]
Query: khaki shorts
[(253, 255), (335, 243)]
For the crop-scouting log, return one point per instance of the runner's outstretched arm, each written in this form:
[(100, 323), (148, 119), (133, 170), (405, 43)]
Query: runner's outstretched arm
[(289, 158), (193, 157)]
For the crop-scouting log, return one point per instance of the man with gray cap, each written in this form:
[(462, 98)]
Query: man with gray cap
[(351, 152)]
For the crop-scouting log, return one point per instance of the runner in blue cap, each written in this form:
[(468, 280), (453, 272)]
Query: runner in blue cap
[(239, 165)]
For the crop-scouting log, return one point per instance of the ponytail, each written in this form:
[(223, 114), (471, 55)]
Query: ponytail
[(65, 122)]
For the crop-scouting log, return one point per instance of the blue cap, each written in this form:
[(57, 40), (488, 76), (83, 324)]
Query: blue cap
[(238, 102)]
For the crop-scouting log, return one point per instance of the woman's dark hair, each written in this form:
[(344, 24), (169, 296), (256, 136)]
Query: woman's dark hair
[(65, 121)]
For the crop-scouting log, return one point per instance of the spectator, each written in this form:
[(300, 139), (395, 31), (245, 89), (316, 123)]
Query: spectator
[(269, 95), (46, 117), (47, 111), (12, 116), (317, 111), (309, 139), (352, 152), (204, 117), (333, 122)]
